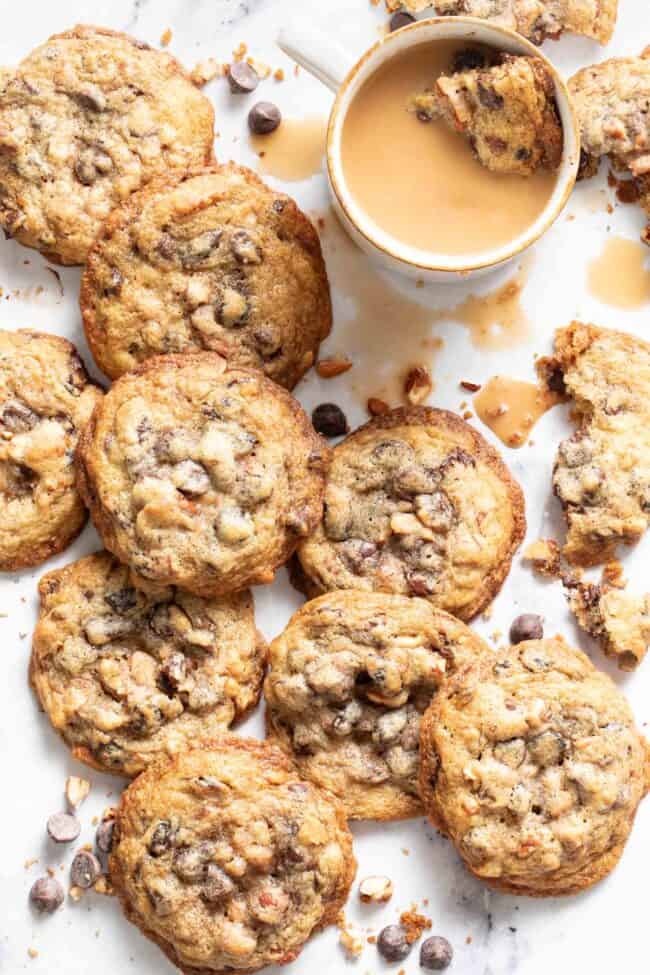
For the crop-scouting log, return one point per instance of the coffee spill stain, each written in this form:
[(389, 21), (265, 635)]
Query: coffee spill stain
[(620, 275), (294, 151), (381, 330), (495, 320), (511, 407)]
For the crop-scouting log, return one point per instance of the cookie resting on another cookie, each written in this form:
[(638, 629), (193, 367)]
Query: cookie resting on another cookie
[(127, 675), (533, 766), (602, 472), (535, 19), (612, 105), (200, 475), (348, 682), (507, 111), (227, 860), (417, 503), (85, 119), (212, 259), (46, 399)]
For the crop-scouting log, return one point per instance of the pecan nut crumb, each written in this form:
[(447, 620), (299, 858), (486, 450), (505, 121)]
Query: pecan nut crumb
[(376, 407), (332, 366), (418, 385)]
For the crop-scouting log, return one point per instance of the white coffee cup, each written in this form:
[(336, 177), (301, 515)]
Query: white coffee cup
[(336, 68)]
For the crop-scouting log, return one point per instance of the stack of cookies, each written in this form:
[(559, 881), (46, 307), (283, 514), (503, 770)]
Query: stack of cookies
[(205, 297)]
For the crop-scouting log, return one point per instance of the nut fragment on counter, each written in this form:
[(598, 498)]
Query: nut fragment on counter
[(376, 407), (76, 790), (376, 890), (332, 366), (418, 385)]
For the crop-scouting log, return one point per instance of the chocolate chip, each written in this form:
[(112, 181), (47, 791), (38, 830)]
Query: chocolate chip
[(329, 419), (104, 836), (401, 18), (392, 943), (85, 869), (217, 885), (436, 953), (264, 117), (161, 840), (528, 626), (63, 828), (242, 78), (122, 600), (468, 59), (488, 97), (46, 895)]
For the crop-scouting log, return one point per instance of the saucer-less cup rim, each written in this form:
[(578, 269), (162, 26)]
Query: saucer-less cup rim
[(333, 70)]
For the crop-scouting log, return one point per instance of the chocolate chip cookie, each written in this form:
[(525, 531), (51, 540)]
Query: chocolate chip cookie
[(85, 119), (349, 680), (200, 475), (227, 860), (46, 399), (418, 503), (618, 620), (128, 674), (213, 259), (506, 111), (534, 767), (535, 19), (602, 472), (612, 102)]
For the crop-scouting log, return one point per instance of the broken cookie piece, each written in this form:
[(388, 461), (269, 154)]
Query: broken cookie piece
[(507, 111), (619, 621), (544, 556), (535, 19), (602, 472), (611, 101)]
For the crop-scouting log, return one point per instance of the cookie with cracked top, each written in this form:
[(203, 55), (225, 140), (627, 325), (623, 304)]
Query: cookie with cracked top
[(85, 119), (535, 19), (227, 860), (201, 475), (349, 680), (602, 472), (128, 674), (46, 399), (211, 259), (417, 503), (534, 767)]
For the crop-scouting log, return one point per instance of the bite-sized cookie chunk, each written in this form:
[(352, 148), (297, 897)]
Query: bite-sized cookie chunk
[(618, 620), (602, 472), (200, 475), (212, 259), (85, 119), (507, 111), (534, 768), (227, 860), (535, 19), (46, 399), (349, 681), (129, 674), (418, 503), (612, 104)]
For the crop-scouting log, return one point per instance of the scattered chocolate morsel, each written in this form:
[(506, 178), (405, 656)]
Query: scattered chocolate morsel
[(329, 419), (401, 18), (63, 828), (528, 626), (264, 117), (104, 836), (85, 869), (242, 78), (392, 943), (46, 895), (436, 954)]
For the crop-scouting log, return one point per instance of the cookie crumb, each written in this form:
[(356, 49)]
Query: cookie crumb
[(349, 939), (544, 554), (165, 37), (206, 71), (414, 924), (32, 952)]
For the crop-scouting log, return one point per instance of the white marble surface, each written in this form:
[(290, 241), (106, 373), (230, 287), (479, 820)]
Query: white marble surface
[(601, 931)]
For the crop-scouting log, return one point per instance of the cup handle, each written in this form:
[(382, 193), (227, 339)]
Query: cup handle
[(315, 51)]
